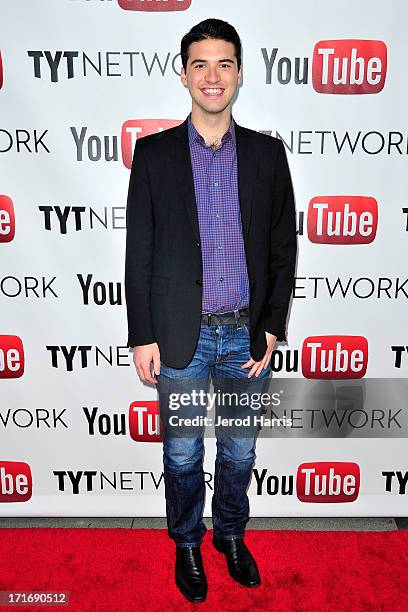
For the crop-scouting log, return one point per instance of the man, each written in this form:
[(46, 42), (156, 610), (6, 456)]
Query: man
[(210, 260)]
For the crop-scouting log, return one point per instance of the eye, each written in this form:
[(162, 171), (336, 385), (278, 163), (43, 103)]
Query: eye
[(226, 65), (199, 65)]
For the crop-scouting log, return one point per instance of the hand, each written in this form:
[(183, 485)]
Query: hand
[(143, 356), (257, 366)]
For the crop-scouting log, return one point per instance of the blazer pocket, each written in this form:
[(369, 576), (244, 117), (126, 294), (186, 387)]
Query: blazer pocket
[(159, 284)]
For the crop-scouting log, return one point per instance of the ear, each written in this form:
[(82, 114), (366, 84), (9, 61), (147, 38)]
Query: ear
[(240, 75), (183, 76)]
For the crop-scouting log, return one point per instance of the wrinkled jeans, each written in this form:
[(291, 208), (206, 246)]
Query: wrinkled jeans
[(221, 351)]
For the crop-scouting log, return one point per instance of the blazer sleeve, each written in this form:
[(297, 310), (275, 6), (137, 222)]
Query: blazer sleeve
[(283, 248), (139, 252)]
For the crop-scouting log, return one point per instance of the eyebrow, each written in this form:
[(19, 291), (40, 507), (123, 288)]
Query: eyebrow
[(201, 61)]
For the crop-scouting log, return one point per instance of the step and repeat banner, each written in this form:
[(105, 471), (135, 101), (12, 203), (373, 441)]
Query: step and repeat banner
[(83, 80)]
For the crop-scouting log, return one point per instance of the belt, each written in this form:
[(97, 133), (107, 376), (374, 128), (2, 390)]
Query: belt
[(225, 318)]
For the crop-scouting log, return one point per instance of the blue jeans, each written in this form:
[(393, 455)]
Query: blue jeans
[(221, 351)]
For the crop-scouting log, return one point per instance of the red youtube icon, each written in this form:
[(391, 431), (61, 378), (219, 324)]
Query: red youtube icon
[(134, 129), (334, 356), (155, 5), (11, 357), (16, 482), (349, 66), (144, 421), (7, 219), (342, 219), (324, 481)]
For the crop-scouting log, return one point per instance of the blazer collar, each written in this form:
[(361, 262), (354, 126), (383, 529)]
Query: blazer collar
[(181, 131)]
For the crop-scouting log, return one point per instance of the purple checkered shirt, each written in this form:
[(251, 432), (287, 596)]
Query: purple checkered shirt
[(225, 275)]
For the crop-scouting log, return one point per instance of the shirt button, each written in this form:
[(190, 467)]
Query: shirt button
[(220, 246), (222, 308), (215, 184), (221, 278), (218, 216)]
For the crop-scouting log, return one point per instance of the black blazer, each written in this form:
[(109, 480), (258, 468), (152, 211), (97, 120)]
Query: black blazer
[(163, 269)]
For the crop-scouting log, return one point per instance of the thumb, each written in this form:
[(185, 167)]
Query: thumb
[(156, 362)]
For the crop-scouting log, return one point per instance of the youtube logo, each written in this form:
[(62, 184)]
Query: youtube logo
[(11, 357), (342, 219), (155, 5), (349, 66), (15, 481), (323, 482), (334, 356), (7, 219), (144, 421), (138, 128)]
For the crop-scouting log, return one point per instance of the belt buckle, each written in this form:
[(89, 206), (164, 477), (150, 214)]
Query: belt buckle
[(208, 315)]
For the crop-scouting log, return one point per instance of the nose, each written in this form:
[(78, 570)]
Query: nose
[(212, 75)]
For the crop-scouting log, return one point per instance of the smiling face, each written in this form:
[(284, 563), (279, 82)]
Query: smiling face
[(212, 75)]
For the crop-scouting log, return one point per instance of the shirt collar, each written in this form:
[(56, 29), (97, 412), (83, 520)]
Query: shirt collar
[(194, 136)]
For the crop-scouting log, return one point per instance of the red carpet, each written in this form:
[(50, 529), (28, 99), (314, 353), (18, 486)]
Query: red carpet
[(128, 569)]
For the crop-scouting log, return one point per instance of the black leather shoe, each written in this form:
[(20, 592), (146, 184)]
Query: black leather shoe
[(241, 564), (190, 575)]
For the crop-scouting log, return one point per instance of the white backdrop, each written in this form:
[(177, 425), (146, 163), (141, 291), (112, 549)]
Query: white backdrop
[(61, 154)]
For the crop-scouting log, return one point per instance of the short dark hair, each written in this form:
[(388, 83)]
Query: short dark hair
[(215, 29)]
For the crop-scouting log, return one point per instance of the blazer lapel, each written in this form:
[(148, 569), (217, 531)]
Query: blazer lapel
[(246, 161), (183, 173)]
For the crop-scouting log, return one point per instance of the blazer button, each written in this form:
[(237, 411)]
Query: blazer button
[(198, 243), (199, 282)]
